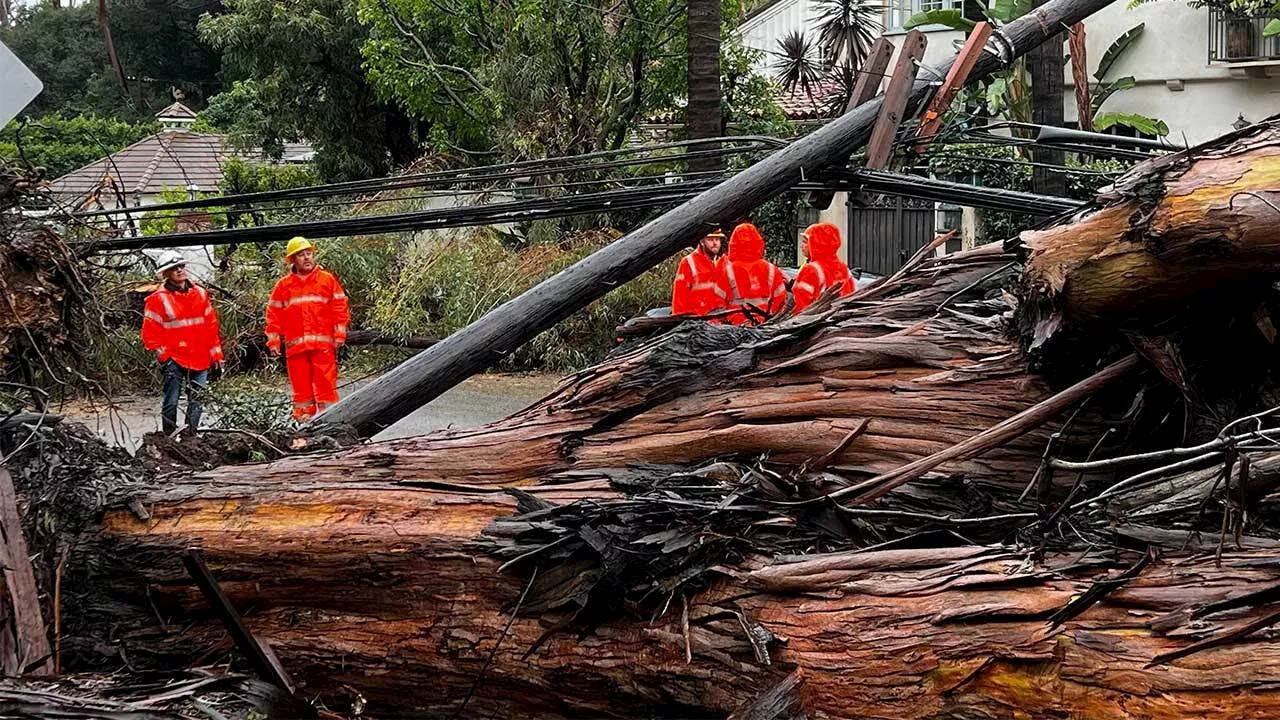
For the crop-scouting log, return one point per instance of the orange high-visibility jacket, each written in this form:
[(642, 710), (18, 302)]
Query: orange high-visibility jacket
[(307, 312), (824, 269), (694, 289), (182, 325), (746, 278)]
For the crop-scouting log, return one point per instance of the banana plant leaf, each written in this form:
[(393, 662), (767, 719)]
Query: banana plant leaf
[(1102, 92), (1139, 123), (953, 19), (1117, 49), (1006, 11)]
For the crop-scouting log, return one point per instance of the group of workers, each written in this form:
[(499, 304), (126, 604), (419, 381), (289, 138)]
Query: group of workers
[(741, 287), (307, 318), (307, 313)]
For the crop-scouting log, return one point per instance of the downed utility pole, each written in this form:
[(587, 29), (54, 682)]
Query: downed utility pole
[(427, 375)]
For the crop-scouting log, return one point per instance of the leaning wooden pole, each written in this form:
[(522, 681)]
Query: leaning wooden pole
[(479, 345)]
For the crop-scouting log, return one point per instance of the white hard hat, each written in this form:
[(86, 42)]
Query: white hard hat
[(167, 260)]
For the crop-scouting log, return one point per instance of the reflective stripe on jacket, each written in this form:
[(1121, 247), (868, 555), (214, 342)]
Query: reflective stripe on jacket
[(182, 326), (307, 312), (747, 279), (824, 269), (694, 289)]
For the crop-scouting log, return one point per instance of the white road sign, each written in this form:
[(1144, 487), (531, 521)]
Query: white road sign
[(18, 85)]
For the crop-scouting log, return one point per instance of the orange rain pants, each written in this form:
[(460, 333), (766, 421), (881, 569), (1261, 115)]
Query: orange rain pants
[(314, 377)]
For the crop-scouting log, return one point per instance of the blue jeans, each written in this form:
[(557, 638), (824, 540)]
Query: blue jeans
[(175, 376)]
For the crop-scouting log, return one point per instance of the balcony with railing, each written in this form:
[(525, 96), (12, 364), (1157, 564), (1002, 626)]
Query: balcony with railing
[(1238, 37)]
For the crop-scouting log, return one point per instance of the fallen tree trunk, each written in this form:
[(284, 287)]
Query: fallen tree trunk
[(383, 589), (1176, 226), (378, 567), (794, 392), (468, 351)]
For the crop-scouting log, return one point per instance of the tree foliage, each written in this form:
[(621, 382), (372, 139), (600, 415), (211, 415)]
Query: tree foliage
[(528, 77), (299, 65), (62, 144), (846, 30), (750, 104), (156, 44)]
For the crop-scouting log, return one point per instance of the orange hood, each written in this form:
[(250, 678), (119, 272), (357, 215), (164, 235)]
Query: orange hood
[(824, 241), (746, 244)]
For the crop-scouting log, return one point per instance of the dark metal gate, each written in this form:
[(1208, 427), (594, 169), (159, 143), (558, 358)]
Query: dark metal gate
[(885, 230)]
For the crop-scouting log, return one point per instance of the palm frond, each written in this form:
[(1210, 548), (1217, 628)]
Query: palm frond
[(847, 29), (846, 78), (798, 63)]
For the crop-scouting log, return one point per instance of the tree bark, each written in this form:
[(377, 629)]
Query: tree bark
[(380, 589), (427, 375), (374, 568), (793, 391), (704, 114), (1170, 228)]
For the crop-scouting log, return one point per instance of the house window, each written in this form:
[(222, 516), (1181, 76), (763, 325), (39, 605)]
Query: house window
[(899, 11)]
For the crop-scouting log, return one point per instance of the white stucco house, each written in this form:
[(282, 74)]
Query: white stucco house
[(1197, 70), (1194, 70)]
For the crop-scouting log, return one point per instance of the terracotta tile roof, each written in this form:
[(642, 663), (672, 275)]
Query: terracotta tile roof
[(815, 104)]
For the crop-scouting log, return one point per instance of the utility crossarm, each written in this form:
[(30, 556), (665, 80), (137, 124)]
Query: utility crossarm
[(871, 73), (893, 104), (430, 373), (931, 121)]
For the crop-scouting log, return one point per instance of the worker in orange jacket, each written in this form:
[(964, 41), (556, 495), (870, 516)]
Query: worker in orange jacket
[(180, 326), (749, 284), (694, 289), (824, 269), (307, 318)]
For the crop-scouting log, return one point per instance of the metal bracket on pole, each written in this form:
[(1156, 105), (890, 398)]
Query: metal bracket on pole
[(931, 122), (895, 100)]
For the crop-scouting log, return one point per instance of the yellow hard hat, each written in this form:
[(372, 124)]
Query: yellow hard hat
[(297, 245)]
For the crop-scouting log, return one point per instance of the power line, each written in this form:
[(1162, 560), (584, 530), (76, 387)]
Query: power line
[(467, 216), (486, 173)]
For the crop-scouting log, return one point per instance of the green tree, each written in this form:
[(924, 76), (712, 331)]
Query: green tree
[(242, 114), (64, 48), (154, 39), (60, 144), (531, 78), (846, 29), (750, 102), (300, 65)]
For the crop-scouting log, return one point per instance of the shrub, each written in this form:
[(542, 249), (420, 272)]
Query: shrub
[(443, 282)]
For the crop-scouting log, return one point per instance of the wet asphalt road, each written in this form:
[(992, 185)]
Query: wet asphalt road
[(479, 400)]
